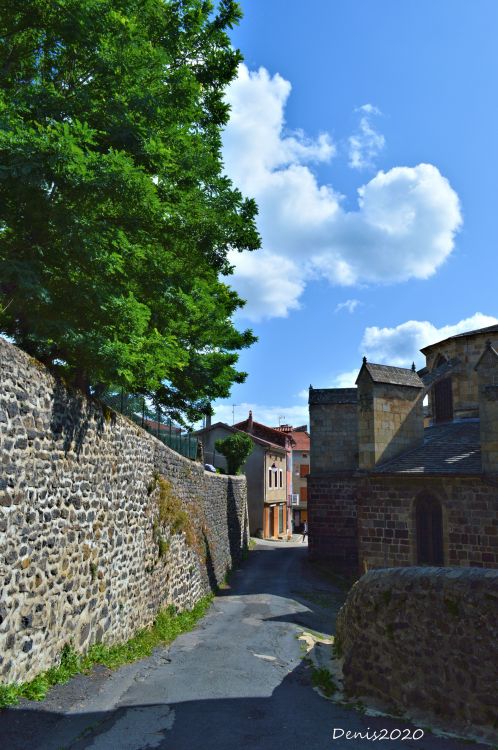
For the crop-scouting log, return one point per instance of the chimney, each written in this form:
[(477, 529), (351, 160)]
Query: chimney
[(249, 423), (487, 378)]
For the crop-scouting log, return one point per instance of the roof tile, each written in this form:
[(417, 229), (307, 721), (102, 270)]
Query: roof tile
[(452, 448)]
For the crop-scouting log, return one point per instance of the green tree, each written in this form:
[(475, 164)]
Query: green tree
[(236, 448), (115, 214)]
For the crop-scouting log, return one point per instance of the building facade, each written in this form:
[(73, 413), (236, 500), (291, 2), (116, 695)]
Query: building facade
[(384, 490), (300, 440), (266, 473), (273, 436)]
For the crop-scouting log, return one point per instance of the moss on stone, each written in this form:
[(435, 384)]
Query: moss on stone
[(452, 607)]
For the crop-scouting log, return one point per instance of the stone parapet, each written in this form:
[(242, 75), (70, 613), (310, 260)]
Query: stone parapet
[(425, 641)]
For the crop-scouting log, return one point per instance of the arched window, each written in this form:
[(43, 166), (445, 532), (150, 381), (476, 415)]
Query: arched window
[(429, 525), (442, 396)]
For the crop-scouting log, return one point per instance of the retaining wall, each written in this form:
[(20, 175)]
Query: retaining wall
[(86, 555), (425, 640)]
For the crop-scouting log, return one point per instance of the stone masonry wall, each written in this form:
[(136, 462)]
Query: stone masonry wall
[(464, 382), (425, 641), (390, 420), (332, 524), (386, 520), (359, 522), (334, 426), (93, 540)]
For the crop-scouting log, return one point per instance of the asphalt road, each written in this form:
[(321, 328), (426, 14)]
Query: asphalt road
[(238, 681)]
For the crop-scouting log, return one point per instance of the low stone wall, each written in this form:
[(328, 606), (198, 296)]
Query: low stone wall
[(425, 640), (101, 524)]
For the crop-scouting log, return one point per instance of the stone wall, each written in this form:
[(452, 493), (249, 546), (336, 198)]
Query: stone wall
[(358, 521), (390, 420), (334, 426), (387, 526), (332, 525), (464, 381), (425, 641), (487, 376), (101, 524)]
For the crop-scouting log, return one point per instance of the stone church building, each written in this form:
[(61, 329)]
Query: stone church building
[(404, 467)]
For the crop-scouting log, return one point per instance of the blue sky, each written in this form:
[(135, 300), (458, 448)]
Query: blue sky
[(366, 131)]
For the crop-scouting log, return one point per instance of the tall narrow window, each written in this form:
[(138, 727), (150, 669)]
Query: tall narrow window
[(429, 523), (442, 396), (269, 477), (443, 401), (281, 478)]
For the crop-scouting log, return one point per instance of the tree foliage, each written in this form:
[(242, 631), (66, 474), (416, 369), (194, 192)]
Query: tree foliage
[(115, 215), (236, 448)]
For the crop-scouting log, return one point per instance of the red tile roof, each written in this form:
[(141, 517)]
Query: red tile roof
[(299, 435), (262, 431), (301, 440)]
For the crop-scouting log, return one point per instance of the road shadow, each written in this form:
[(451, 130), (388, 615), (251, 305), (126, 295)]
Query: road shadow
[(293, 716), (319, 594)]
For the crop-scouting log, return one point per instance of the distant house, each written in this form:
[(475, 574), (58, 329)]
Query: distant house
[(277, 437), (301, 446), (266, 474)]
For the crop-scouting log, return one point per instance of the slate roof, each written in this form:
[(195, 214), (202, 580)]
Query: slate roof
[(452, 448), (392, 375), (488, 329)]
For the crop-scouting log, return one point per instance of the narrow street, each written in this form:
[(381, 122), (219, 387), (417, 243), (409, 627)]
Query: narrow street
[(238, 681)]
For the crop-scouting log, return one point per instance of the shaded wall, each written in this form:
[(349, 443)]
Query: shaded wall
[(101, 524), (424, 640)]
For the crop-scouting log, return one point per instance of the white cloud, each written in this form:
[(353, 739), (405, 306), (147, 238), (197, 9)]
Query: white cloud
[(366, 144), (272, 280), (350, 305), (400, 345), (403, 228), (346, 379), (295, 415)]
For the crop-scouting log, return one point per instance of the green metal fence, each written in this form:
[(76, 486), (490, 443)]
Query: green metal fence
[(154, 421)]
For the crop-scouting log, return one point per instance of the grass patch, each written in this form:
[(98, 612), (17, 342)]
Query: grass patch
[(250, 546), (167, 626), (337, 649), (322, 679)]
